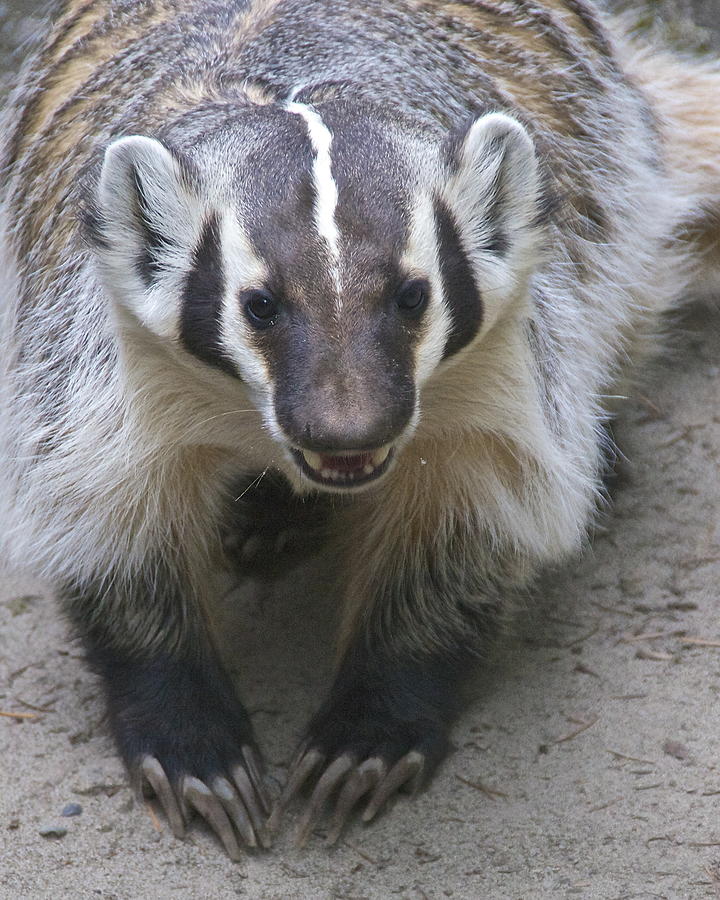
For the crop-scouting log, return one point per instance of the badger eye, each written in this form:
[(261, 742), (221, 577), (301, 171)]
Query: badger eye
[(413, 297), (261, 308)]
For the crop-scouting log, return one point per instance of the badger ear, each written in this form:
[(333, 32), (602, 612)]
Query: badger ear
[(494, 192), (144, 226)]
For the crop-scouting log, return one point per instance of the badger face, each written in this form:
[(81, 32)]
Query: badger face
[(331, 258)]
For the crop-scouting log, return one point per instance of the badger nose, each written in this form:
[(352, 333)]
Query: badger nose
[(331, 418), (351, 428), (343, 402)]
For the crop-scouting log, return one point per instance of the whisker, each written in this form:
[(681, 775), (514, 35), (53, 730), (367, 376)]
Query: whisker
[(254, 483), (232, 412)]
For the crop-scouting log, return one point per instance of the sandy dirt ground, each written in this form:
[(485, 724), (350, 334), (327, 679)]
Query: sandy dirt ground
[(587, 765)]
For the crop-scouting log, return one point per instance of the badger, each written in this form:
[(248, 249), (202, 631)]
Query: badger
[(385, 264)]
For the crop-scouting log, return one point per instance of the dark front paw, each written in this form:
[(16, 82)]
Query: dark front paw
[(187, 740), (270, 529), (363, 747)]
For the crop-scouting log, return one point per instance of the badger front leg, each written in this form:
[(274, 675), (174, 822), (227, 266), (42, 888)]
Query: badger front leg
[(423, 609), (178, 725), (384, 727)]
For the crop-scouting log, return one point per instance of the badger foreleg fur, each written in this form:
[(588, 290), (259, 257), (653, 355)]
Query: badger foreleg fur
[(177, 723), (432, 583), (146, 628)]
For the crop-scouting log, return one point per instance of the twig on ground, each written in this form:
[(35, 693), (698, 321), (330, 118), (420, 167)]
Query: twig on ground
[(580, 667), (48, 708), (653, 636), (648, 762), (18, 715), (582, 637), (361, 853), (647, 402), (605, 805), (644, 653), (484, 789), (583, 726)]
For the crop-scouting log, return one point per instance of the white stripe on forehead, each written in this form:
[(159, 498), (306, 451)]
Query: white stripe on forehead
[(326, 192)]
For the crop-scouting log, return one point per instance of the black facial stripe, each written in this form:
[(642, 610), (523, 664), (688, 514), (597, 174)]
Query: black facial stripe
[(461, 292), (202, 301), (154, 244)]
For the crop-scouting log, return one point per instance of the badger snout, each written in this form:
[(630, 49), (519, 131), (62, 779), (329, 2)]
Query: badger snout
[(343, 441), (346, 445)]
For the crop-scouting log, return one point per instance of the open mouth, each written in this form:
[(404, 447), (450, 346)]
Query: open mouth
[(343, 470)]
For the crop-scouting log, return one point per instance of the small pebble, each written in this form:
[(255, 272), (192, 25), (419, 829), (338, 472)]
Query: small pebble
[(676, 749), (55, 831), (72, 809)]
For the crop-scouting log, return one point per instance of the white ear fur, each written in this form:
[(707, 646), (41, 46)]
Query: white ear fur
[(148, 217), (495, 195)]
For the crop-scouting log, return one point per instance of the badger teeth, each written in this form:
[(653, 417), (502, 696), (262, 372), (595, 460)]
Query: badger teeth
[(344, 469), (314, 460), (379, 456)]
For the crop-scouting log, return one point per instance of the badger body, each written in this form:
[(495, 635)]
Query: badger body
[(393, 256)]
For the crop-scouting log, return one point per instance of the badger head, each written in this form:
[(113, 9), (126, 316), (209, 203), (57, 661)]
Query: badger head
[(332, 258)]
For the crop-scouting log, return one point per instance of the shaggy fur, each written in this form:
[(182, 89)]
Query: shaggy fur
[(544, 186)]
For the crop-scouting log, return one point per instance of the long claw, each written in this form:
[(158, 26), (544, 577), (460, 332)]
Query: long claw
[(409, 767), (198, 795), (255, 771), (249, 798), (235, 809), (330, 779), (363, 779), (301, 769), (154, 774)]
